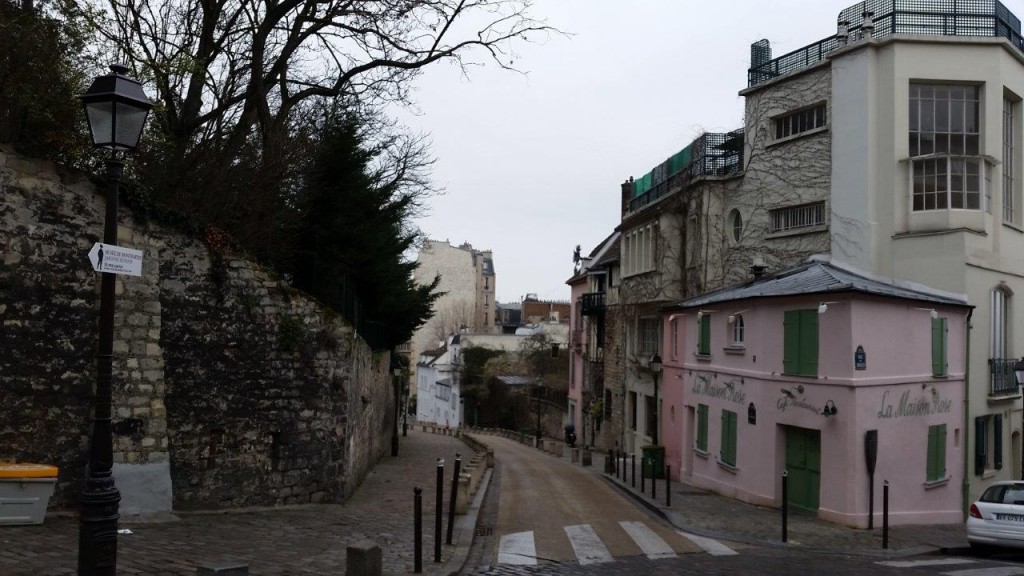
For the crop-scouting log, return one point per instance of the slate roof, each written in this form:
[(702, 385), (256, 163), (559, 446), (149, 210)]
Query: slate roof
[(822, 277)]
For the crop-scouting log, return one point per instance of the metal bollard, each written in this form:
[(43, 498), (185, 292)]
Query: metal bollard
[(439, 510), (417, 512), (609, 463), (642, 475), (885, 514), (668, 486), (785, 505), (451, 501), (654, 482), (632, 466)]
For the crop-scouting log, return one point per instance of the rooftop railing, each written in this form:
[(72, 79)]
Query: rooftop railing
[(973, 18), (712, 153)]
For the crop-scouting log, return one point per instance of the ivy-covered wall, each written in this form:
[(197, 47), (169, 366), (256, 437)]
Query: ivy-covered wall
[(244, 390)]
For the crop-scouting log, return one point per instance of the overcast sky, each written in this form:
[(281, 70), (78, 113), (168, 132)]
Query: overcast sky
[(532, 164)]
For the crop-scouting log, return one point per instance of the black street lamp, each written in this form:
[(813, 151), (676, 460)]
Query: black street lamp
[(655, 366), (116, 107), (539, 390)]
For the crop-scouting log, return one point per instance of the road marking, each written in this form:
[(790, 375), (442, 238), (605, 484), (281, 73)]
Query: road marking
[(651, 544), (713, 547), (517, 548), (587, 545), (919, 563)]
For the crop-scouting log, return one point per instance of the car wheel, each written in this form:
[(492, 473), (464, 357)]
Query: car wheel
[(980, 549)]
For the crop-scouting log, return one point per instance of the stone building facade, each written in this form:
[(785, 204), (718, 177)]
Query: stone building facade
[(230, 388)]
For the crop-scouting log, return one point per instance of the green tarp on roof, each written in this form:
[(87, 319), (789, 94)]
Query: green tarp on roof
[(676, 163)]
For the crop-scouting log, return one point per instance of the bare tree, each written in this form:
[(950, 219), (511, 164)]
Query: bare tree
[(450, 317)]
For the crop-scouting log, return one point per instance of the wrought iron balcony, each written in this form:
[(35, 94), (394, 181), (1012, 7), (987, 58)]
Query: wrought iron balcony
[(592, 304), (1003, 381), (980, 18)]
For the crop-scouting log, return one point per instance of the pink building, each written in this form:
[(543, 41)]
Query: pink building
[(816, 371)]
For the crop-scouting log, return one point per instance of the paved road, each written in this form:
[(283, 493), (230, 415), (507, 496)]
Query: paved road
[(552, 512), (774, 562)]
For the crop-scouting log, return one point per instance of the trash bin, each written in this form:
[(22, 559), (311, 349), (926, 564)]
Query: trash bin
[(653, 461), (25, 491)]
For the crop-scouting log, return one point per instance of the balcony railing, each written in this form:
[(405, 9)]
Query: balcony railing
[(1003, 381), (973, 18), (711, 154), (592, 304)]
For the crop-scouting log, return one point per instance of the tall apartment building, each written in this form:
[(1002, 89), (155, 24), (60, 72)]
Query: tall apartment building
[(468, 281)]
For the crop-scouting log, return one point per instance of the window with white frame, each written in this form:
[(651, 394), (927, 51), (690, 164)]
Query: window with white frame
[(795, 217), (736, 224), (947, 171), (1011, 110), (639, 249), (647, 336), (737, 330), (1000, 303)]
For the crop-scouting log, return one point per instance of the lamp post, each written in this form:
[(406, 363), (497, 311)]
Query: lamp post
[(655, 366), (394, 431), (538, 433), (116, 108)]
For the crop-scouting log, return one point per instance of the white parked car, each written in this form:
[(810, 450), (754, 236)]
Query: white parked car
[(997, 518)]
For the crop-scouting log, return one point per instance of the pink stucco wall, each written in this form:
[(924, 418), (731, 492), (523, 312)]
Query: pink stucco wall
[(896, 394)]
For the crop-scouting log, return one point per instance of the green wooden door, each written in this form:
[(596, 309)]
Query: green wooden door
[(803, 462)]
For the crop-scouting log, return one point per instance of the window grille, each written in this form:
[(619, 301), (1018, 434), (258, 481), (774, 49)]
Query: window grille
[(803, 216)]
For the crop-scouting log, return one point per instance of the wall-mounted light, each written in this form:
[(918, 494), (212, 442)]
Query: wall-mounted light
[(823, 307), (829, 409), (732, 317), (672, 318), (701, 313), (931, 312)]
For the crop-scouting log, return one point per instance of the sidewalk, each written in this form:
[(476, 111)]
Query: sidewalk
[(306, 540), (708, 514)]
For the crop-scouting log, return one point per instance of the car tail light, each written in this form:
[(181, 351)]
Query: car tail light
[(974, 512)]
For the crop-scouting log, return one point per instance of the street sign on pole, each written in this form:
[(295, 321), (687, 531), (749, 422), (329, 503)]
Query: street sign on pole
[(116, 260)]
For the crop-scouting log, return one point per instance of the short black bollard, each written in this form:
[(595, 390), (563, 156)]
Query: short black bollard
[(609, 463), (642, 475), (632, 458), (439, 510), (668, 486), (417, 513), (622, 466), (654, 482), (451, 501), (885, 514), (785, 505), (616, 464)]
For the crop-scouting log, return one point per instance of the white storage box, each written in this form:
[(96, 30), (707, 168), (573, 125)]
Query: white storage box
[(25, 491)]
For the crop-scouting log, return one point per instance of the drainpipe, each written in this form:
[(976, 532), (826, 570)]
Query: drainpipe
[(966, 491)]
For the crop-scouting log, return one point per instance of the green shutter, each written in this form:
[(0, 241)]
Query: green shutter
[(936, 467), (808, 343), (997, 441), (702, 427), (791, 342), (728, 453), (938, 346), (704, 344)]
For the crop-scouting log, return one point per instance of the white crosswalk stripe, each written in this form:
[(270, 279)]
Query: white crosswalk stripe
[(711, 546), (651, 544), (518, 548), (587, 545)]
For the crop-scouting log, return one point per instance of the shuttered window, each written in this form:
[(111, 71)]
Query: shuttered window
[(800, 343), (997, 441), (728, 454), (702, 427), (939, 364), (980, 444), (704, 341), (936, 469)]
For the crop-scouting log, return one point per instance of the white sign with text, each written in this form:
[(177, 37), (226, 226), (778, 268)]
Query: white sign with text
[(115, 259)]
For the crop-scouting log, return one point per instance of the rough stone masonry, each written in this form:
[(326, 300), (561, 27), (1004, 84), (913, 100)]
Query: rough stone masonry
[(231, 389)]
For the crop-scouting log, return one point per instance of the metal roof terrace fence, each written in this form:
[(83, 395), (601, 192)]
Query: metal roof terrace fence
[(711, 154), (976, 18)]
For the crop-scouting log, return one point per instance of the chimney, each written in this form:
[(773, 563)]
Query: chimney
[(868, 27), (843, 33), (757, 268), (627, 194)]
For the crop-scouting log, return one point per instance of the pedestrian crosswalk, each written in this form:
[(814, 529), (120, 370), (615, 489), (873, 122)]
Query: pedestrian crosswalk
[(588, 547), (957, 567)]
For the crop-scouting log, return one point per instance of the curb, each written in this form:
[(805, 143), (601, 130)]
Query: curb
[(674, 518)]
